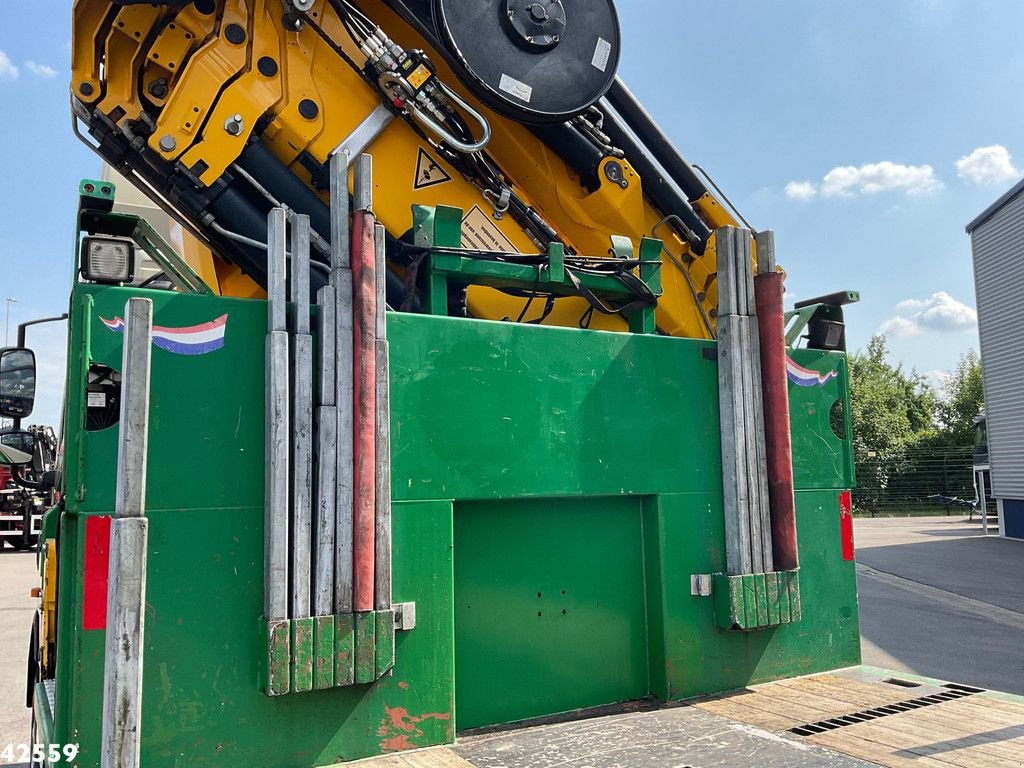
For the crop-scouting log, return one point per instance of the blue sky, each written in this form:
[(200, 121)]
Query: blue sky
[(838, 125)]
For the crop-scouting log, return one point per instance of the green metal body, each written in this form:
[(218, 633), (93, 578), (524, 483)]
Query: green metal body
[(554, 490)]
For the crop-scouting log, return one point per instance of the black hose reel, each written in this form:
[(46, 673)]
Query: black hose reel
[(535, 61)]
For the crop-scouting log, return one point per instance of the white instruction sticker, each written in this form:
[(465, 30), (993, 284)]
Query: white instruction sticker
[(96, 400), (479, 232), (520, 90), (602, 53)]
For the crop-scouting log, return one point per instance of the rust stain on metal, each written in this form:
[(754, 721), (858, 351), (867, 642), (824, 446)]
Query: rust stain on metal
[(399, 730)]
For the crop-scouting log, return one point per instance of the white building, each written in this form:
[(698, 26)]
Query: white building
[(997, 241)]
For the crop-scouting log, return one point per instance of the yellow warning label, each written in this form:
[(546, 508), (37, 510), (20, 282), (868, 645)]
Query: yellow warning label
[(429, 172), (418, 77), (479, 232)]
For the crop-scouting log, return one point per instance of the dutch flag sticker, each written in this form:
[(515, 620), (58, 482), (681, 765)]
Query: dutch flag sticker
[(194, 340)]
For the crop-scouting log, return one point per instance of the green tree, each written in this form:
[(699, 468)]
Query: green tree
[(892, 409), (963, 398)]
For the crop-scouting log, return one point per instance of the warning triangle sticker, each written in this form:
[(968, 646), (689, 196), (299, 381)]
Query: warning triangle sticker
[(429, 172)]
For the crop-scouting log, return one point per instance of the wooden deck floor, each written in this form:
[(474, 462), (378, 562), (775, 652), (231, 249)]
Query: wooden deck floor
[(850, 719), (977, 730)]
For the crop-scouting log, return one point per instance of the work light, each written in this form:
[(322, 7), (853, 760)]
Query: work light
[(108, 260)]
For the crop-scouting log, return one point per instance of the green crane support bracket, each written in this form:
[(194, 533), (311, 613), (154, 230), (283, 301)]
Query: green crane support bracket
[(440, 230)]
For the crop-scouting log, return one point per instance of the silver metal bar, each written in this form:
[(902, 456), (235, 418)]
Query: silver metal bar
[(745, 271), (326, 303), (750, 466), (725, 267), (324, 529), (363, 195), (300, 273), (326, 457), (365, 133), (382, 521), (765, 243), (340, 227), (134, 422), (380, 238), (341, 281), (275, 599), (763, 510), (126, 585), (276, 269), (123, 654), (302, 423), (734, 479), (275, 605)]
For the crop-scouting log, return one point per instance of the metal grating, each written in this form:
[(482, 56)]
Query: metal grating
[(952, 693)]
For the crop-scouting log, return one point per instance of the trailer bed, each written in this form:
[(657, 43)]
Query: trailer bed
[(853, 718)]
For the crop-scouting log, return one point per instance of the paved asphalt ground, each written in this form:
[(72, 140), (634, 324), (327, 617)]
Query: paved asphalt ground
[(17, 576), (937, 599)]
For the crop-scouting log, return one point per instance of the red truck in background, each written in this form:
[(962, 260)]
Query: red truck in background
[(22, 508)]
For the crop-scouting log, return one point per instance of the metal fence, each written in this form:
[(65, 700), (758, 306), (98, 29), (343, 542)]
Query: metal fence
[(918, 481)]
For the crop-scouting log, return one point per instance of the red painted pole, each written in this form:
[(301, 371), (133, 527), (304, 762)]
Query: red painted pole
[(768, 292), (364, 415)]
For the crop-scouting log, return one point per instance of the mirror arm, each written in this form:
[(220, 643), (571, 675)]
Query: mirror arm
[(16, 477)]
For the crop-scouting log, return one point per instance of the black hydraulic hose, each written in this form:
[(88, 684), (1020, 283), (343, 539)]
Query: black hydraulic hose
[(658, 186), (259, 162), (652, 137), (579, 153), (235, 212)]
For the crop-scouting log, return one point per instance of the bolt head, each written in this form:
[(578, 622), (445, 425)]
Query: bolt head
[(538, 12), (168, 143)]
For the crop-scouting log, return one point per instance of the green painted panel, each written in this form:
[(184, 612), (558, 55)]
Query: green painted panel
[(202, 696), (701, 658), (545, 623), (206, 411), (821, 458), (498, 410)]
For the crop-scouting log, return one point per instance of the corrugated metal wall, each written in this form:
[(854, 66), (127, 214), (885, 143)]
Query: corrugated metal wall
[(998, 245)]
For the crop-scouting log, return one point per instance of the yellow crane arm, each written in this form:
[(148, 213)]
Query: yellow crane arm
[(222, 108)]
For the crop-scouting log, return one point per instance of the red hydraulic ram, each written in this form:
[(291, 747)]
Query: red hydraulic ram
[(768, 292), (364, 416)]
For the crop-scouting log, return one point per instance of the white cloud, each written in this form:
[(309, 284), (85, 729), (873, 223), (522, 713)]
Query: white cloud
[(801, 190), (870, 179), (900, 327), (7, 69), (873, 178), (940, 313), (987, 165), (40, 70)]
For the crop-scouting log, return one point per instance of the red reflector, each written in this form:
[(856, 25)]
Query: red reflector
[(94, 575), (846, 524)]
